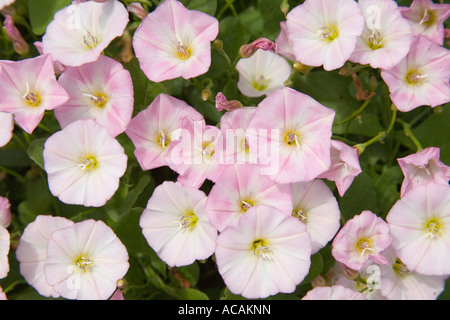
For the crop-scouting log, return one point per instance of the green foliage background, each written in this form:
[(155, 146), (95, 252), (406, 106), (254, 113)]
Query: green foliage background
[(24, 182)]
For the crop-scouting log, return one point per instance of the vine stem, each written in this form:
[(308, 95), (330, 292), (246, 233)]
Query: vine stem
[(354, 114), (409, 134)]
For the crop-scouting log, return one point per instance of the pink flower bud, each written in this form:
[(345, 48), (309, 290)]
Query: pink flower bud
[(247, 50), (223, 104), (20, 45), (137, 9)]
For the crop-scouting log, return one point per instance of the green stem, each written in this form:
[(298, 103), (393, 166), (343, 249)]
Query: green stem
[(12, 285), (18, 176), (409, 133), (354, 114)]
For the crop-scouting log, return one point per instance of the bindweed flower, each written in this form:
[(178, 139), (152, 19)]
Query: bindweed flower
[(386, 37), (223, 104), (85, 261), (315, 205), (344, 166), (28, 89), (58, 67), (283, 45), (84, 164), (291, 134), (81, 31), (5, 241), (176, 226), (427, 18), (420, 229), (324, 32), (5, 212), (247, 50), (102, 91), (173, 42), (421, 78), (192, 154), (336, 292), (6, 127), (262, 73), (153, 129), (31, 251), (241, 187), (363, 237), (267, 252), (423, 167), (19, 43), (5, 3)]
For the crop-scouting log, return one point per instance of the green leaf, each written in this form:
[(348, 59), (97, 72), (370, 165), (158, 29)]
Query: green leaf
[(42, 11), (193, 294), (206, 6), (35, 151), (315, 268)]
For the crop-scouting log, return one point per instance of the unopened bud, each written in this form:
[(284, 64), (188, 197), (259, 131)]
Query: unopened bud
[(302, 68), (217, 44), (373, 83), (349, 273), (137, 10), (319, 281), (284, 7), (346, 71), (206, 94), (223, 104), (122, 284), (360, 147), (19, 43), (247, 50)]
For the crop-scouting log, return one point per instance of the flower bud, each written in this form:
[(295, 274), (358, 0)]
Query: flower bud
[(301, 68), (137, 9), (218, 44), (20, 45), (206, 94), (247, 50), (223, 104)]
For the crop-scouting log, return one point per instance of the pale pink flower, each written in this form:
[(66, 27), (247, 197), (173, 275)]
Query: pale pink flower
[(423, 167), (5, 212), (176, 226), (324, 32), (85, 261), (283, 45), (173, 42), (267, 252), (28, 89), (2, 294), (4, 3), (101, 90), (262, 73), (291, 134), (420, 224), (80, 32), (363, 237), (192, 154), (59, 67), (6, 127), (336, 292), (344, 166), (427, 18), (241, 187), (118, 295), (421, 78), (247, 50), (31, 251), (153, 129), (315, 205), (19, 43), (84, 164), (5, 241), (386, 37)]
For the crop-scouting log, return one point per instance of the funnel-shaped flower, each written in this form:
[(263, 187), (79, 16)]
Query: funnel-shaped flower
[(84, 164), (421, 78), (420, 224), (85, 261), (101, 90), (29, 87), (175, 224), (267, 252), (336, 292), (81, 31), (173, 42), (324, 32), (31, 251)]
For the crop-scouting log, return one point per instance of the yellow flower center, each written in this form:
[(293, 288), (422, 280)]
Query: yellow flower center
[(415, 77), (90, 40), (188, 221), (428, 18), (88, 163), (260, 83), (32, 98), (363, 245), (183, 52), (163, 140), (328, 33), (260, 248), (247, 204), (433, 228), (83, 263), (98, 100), (400, 268), (292, 139), (375, 40), (299, 214)]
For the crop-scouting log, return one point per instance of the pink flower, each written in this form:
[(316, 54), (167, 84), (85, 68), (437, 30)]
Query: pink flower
[(31, 251), (386, 37), (192, 154), (421, 78), (28, 89), (5, 212), (6, 127), (283, 45), (423, 167), (81, 31), (85, 261), (84, 164), (240, 188), (427, 18), (420, 224), (2, 294), (315, 205), (173, 42), (19, 43), (267, 252), (344, 166), (324, 32), (223, 104), (247, 50), (336, 292), (153, 129), (5, 241), (59, 67), (262, 73), (176, 226), (363, 237), (291, 134), (101, 90)]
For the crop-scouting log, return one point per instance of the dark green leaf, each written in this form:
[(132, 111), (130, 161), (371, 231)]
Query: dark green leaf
[(42, 12)]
